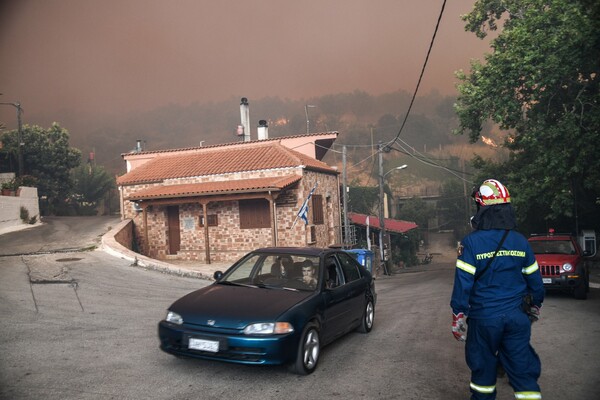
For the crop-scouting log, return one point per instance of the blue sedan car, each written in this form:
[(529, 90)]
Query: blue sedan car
[(273, 306)]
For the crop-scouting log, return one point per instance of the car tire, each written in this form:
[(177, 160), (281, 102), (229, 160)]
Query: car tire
[(309, 350), (368, 318), (587, 283), (580, 292)]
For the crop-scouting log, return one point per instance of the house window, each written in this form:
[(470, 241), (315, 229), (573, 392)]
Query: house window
[(313, 234), (254, 214), (212, 220), (317, 209)]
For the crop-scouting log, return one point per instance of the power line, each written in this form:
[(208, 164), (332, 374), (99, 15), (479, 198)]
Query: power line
[(428, 160), (437, 25), (422, 72), (423, 159)]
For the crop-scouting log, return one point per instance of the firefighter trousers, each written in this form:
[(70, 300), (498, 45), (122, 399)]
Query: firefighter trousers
[(505, 340)]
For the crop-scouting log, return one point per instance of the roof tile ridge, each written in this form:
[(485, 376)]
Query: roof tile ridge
[(226, 144), (295, 155)]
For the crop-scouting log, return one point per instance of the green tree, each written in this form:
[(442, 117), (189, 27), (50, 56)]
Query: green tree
[(453, 210), (541, 85), (406, 246), (363, 200), (48, 157), (91, 184), (417, 210)]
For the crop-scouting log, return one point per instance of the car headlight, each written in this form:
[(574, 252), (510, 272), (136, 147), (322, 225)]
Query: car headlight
[(269, 328), (567, 267), (174, 318)]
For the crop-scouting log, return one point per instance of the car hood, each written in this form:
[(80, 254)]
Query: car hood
[(234, 307), (556, 259)]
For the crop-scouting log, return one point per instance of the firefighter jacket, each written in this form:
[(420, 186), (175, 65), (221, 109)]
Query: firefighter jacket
[(499, 288)]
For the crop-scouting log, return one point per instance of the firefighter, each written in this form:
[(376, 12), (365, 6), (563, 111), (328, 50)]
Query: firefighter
[(495, 271)]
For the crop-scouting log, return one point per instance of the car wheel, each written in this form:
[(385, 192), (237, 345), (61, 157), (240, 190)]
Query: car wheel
[(368, 318), (580, 292), (309, 350), (587, 284)]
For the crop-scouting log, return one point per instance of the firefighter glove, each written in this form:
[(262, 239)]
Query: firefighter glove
[(534, 314), (459, 326)]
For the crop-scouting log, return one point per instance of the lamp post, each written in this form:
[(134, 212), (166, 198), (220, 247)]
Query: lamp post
[(17, 105), (306, 107), (381, 207)]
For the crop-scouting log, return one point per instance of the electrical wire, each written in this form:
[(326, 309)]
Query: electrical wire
[(437, 25), (423, 159)]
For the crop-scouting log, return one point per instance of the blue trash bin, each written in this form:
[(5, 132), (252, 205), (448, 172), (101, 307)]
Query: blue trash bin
[(364, 257)]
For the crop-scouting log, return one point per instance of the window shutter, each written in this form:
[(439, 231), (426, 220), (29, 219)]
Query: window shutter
[(317, 209)]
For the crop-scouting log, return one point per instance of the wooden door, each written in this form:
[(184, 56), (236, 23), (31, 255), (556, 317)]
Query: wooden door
[(173, 226)]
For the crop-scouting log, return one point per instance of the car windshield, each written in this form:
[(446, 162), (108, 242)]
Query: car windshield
[(275, 271), (552, 247)]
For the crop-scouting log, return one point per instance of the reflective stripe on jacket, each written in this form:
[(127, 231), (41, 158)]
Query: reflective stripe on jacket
[(499, 288)]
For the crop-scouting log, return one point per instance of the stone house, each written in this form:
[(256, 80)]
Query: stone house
[(216, 203)]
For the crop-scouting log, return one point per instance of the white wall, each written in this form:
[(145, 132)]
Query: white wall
[(10, 208)]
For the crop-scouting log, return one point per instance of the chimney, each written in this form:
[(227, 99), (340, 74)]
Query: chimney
[(245, 114), (138, 145), (262, 130)]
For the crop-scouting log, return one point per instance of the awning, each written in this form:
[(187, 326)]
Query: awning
[(391, 225), (259, 185)]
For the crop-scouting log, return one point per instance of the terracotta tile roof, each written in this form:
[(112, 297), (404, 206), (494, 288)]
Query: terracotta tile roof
[(269, 140), (392, 225), (253, 157), (214, 188)]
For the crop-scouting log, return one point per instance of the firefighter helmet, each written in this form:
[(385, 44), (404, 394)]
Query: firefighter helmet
[(491, 192)]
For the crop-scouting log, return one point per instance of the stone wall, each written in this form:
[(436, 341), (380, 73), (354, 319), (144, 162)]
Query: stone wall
[(125, 235), (227, 241)]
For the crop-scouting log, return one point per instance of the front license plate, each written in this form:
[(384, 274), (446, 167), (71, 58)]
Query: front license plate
[(204, 345), (547, 280)]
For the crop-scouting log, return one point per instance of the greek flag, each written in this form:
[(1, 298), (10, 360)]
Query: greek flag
[(303, 212)]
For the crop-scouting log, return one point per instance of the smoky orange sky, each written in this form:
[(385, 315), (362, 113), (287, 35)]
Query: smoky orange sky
[(102, 57)]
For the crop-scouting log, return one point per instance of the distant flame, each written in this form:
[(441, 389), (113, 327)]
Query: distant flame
[(488, 141), (279, 122)]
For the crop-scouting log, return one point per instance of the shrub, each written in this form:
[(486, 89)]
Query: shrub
[(24, 214)]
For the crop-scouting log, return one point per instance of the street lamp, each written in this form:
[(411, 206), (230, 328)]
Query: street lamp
[(306, 107), (17, 105), (394, 169), (382, 195)]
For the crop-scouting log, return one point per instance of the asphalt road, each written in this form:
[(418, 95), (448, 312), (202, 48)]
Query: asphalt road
[(82, 325)]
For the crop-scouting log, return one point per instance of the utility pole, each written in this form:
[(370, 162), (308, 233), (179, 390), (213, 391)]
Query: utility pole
[(381, 213), (467, 202), (345, 199), (306, 107), (20, 143)]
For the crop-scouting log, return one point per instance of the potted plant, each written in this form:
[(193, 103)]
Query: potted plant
[(8, 188)]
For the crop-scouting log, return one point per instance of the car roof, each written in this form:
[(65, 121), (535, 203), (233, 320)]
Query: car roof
[(551, 237), (305, 251)]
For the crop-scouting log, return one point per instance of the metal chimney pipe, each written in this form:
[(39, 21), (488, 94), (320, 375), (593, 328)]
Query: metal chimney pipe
[(262, 130), (245, 118)]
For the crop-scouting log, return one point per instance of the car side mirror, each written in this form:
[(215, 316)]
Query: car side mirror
[(218, 275)]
